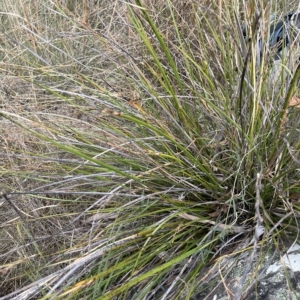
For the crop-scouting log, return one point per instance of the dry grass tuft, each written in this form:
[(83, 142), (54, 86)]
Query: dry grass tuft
[(142, 151)]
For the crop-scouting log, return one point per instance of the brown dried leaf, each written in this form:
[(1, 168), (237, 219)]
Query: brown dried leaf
[(295, 102)]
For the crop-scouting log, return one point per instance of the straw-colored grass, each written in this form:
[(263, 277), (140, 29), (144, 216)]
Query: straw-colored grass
[(143, 150)]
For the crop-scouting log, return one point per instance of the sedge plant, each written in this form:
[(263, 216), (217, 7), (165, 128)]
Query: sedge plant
[(145, 149)]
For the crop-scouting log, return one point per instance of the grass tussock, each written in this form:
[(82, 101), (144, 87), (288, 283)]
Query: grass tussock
[(143, 149)]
